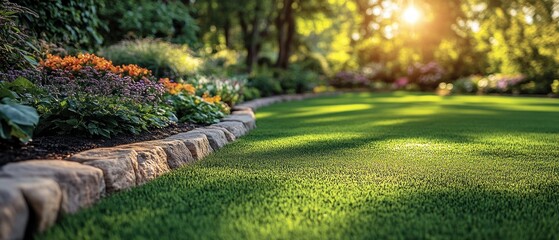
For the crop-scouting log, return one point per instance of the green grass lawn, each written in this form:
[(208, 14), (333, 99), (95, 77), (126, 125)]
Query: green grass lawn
[(357, 166)]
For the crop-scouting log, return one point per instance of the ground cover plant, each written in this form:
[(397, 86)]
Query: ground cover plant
[(358, 166)]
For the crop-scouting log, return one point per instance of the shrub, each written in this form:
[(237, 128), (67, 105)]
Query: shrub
[(162, 58), (16, 48), (191, 108), (298, 80), (349, 80), (222, 63), (466, 85), (555, 87), (265, 82), (73, 24), (426, 76), (228, 89), (169, 20), (89, 95)]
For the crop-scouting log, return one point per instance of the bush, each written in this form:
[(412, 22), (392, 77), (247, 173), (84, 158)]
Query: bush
[(555, 87), (298, 80), (230, 90), (162, 58), (466, 85), (191, 108), (426, 76), (222, 63), (73, 24), (349, 80), (265, 82), (169, 20), (89, 95), (16, 48)]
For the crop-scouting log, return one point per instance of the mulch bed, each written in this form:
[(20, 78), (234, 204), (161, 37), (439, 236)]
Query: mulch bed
[(61, 147)]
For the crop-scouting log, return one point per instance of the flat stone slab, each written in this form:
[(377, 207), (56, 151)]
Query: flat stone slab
[(42, 196), (176, 151), (152, 161), (118, 166), (197, 143), (216, 137), (81, 185), (228, 135), (246, 119), (14, 212), (244, 112), (236, 128)]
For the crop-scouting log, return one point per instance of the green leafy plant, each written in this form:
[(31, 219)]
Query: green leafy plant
[(169, 20), (73, 24), (191, 108), (265, 82), (17, 120), (99, 116), (17, 49), (164, 59)]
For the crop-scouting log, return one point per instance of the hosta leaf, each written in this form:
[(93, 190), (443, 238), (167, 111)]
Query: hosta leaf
[(19, 114)]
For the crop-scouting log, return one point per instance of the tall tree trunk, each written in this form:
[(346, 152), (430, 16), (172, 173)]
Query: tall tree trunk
[(227, 33), (285, 23), (251, 36)]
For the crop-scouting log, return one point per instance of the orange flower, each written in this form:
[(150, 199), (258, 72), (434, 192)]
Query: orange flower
[(176, 88), (213, 100), (72, 63)]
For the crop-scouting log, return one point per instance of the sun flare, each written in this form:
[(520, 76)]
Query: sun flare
[(411, 15)]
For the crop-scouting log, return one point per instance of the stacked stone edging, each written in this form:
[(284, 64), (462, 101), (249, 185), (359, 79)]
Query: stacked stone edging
[(34, 193)]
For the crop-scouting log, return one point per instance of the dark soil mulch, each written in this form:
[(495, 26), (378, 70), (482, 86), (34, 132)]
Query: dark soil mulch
[(61, 147)]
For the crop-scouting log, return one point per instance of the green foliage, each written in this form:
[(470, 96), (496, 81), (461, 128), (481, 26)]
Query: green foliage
[(357, 166), (265, 82), (250, 93), (98, 116), (72, 24), (164, 59), (17, 121), (298, 80), (169, 20), (17, 49), (555, 87), (191, 108), (222, 63)]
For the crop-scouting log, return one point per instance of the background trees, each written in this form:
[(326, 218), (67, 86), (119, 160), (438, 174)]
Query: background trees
[(328, 36)]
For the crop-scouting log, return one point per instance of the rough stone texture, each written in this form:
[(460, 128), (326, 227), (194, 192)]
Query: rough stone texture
[(81, 185), (241, 107), (14, 213), (228, 135), (197, 143), (236, 128), (247, 120), (216, 137), (244, 112), (177, 153), (118, 166), (152, 162), (43, 197)]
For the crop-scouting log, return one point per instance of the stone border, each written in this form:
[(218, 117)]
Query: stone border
[(35, 193)]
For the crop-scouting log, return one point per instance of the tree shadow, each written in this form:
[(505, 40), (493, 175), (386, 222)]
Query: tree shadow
[(472, 213)]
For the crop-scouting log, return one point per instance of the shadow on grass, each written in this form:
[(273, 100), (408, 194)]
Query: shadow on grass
[(473, 213)]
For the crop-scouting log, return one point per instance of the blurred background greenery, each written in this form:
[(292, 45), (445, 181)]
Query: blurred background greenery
[(285, 46)]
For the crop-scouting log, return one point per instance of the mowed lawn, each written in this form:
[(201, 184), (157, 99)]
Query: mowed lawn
[(357, 166)]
